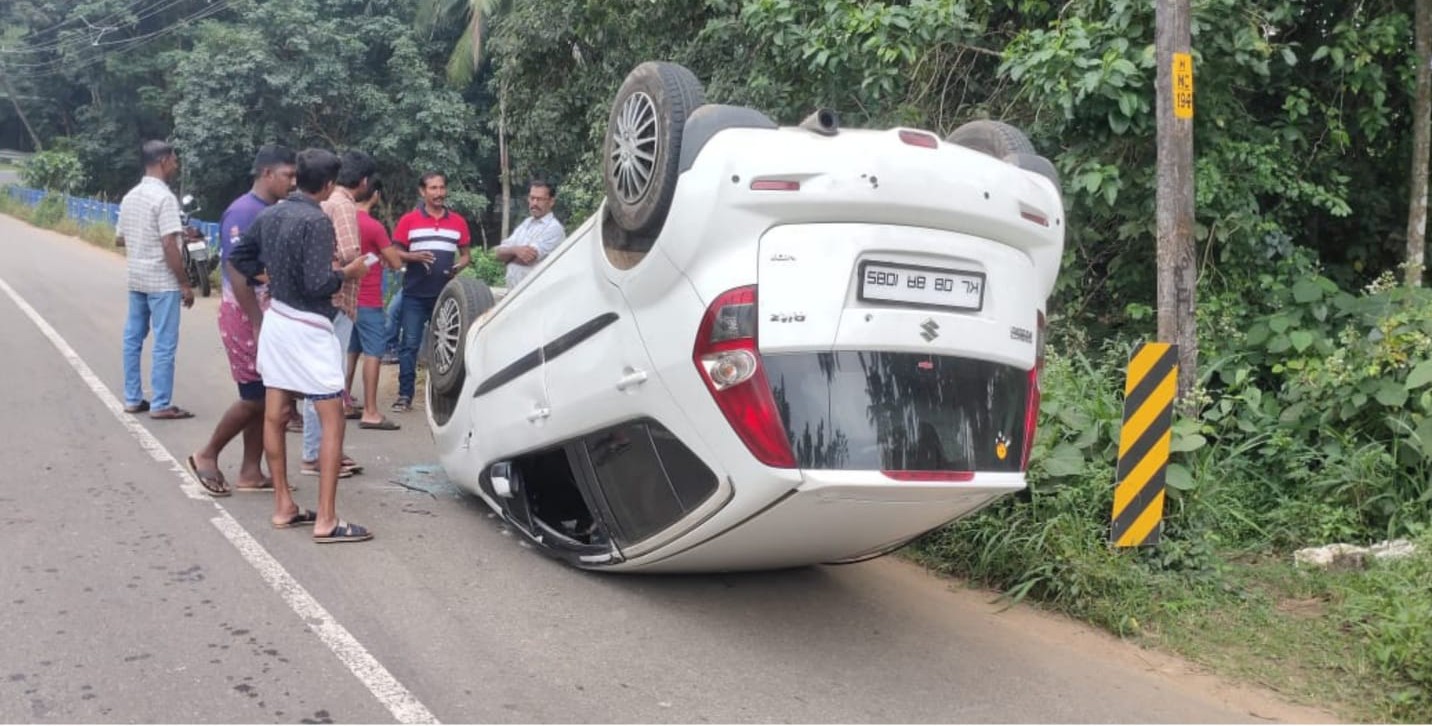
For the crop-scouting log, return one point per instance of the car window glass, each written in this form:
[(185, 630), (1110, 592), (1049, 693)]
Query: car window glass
[(900, 411)]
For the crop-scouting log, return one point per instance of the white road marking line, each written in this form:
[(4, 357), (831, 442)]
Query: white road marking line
[(392, 694), (399, 701), (187, 483)]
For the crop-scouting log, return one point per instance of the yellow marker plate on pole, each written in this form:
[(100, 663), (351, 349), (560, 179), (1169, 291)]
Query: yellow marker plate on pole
[(1144, 445), (1182, 85)]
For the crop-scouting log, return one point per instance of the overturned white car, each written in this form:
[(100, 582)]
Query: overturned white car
[(770, 347)]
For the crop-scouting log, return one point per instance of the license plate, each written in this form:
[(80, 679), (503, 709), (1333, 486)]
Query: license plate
[(922, 286), (198, 248)]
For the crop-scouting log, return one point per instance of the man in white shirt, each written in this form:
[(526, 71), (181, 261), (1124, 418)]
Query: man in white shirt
[(536, 237)]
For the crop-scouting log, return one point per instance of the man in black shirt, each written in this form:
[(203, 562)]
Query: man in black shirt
[(290, 246)]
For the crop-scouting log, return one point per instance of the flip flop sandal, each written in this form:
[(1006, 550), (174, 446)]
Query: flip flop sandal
[(344, 532), (265, 488), (212, 481), (173, 413), (353, 414), (304, 517), (384, 425), (343, 472)]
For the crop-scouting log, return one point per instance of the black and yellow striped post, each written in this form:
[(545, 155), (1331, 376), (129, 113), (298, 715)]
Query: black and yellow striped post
[(1144, 445)]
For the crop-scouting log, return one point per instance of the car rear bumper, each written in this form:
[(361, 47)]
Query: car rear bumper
[(832, 516)]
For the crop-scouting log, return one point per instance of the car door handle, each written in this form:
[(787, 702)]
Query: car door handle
[(539, 413), (632, 379)]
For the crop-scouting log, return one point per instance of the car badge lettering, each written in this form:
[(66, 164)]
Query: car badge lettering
[(788, 317), (783, 257), (929, 327), (1022, 335)]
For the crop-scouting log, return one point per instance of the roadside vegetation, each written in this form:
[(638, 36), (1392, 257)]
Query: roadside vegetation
[(1312, 422), (50, 214)]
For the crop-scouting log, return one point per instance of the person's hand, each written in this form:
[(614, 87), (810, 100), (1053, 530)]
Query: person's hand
[(526, 255), (424, 257), (356, 269), (187, 293)]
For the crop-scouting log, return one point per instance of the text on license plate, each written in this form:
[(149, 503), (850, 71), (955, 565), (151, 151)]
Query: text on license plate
[(198, 246), (928, 286)]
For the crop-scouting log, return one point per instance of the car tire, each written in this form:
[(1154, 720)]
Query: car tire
[(713, 118), (642, 153), (1003, 142), (461, 302)]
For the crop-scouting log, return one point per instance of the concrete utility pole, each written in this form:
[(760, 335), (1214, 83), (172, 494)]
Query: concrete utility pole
[(1177, 271), (1421, 140)]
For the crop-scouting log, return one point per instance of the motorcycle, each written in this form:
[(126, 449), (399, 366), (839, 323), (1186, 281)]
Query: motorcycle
[(198, 259)]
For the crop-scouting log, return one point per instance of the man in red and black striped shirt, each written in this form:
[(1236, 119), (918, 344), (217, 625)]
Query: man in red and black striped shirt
[(431, 227)]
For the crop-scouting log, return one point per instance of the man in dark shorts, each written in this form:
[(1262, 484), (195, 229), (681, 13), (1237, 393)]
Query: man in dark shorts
[(292, 245), (370, 336), (240, 314)]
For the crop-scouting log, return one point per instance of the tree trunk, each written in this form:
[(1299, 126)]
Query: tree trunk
[(10, 90), (502, 163), (1421, 140), (1177, 271)]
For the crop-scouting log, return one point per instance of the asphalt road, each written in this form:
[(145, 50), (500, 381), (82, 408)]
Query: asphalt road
[(129, 596)]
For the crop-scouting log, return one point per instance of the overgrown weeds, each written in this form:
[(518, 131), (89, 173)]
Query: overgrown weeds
[(1315, 427)]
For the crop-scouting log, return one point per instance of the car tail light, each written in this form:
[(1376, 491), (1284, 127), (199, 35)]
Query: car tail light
[(907, 475), (730, 363), (1031, 404), (775, 185), (919, 138), (1035, 217)]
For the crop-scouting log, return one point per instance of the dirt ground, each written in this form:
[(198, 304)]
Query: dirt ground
[(1102, 646)]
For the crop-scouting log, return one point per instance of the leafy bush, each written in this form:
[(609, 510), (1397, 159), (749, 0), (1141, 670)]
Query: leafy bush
[(49, 212), (54, 170), (485, 267), (1342, 381)]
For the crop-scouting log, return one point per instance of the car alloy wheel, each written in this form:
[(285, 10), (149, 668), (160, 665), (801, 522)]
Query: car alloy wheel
[(447, 328), (635, 148)]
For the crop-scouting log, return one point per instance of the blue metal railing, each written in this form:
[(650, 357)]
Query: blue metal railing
[(93, 211)]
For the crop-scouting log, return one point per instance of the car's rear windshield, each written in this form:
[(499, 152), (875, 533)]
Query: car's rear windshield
[(900, 411)]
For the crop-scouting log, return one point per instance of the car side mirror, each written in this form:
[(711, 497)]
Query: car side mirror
[(501, 476)]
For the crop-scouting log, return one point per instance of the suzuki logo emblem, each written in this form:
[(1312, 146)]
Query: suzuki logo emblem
[(929, 326)]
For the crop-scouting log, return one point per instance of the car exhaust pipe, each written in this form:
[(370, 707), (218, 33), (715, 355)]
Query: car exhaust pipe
[(823, 121)]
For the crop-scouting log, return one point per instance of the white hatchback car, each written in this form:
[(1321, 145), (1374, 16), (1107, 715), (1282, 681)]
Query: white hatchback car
[(770, 347)]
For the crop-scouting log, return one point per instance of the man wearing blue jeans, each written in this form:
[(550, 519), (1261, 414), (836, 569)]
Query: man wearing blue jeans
[(150, 232), (431, 227), (394, 330)]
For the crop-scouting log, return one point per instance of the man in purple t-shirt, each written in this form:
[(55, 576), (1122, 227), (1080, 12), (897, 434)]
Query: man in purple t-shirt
[(240, 315)]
